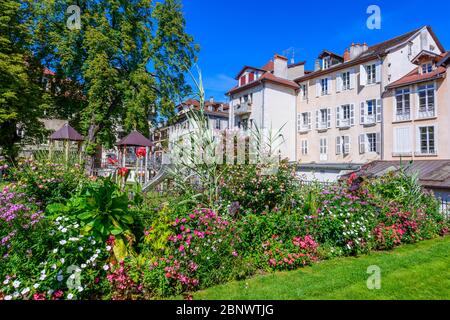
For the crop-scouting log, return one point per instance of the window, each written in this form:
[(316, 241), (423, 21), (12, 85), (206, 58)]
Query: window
[(242, 80), (324, 83), (402, 141), (323, 119), (345, 109), (304, 91), (251, 76), (323, 149), (427, 140), (304, 147), (345, 116), (426, 101), (403, 107), (370, 142), (346, 81), (427, 68), (371, 73), (218, 124), (304, 121), (343, 145), (326, 62), (371, 107)]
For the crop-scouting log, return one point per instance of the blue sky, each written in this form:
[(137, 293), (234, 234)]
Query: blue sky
[(234, 33)]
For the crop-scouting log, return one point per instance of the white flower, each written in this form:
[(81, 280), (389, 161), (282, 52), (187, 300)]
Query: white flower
[(97, 251), (83, 266), (16, 294), (64, 230), (72, 276), (76, 226), (60, 278), (55, 250), (80, 248), (62, 260), (63, 242), (36, 285), (6, 281), (54, 266), (93, 242), (50, 292), (73, 239), (80, 289), (42, 277), (25, 291), (60, 227), (58, 219), (70, 296), (8, 298), (108, 248), (16, 284), (106, 267)]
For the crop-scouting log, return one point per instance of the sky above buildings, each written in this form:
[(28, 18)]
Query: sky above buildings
[(234, 33)]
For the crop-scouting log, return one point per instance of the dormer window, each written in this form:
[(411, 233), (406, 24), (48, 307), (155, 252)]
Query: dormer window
[(251, 76), (243, 80), (326, 63), (427, 68)]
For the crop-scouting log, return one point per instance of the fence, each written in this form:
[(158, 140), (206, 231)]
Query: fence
[(445, 208)]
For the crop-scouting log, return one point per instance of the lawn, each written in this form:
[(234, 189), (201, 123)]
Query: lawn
[(419, 271)]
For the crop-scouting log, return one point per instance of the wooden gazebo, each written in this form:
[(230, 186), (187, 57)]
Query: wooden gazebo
[(137, 140), (67, 134)]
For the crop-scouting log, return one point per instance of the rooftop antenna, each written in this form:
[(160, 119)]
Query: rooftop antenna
[(290, 51)]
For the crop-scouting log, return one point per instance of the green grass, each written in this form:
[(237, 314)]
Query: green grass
[(417, 272)]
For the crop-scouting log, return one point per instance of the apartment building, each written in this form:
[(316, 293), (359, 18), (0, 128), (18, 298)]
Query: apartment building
[(417, 111), (266, 98), (167, 133), (342, 104)]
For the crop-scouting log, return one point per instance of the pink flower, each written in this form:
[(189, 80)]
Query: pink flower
[(181, 249)]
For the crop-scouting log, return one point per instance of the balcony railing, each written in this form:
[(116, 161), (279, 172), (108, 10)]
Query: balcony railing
[(403, 116), (304, 128), (243, 108), (345, 123), (427, 113), (370, 120), (322, 126)]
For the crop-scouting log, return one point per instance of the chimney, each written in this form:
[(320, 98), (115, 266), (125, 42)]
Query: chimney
[(280, 66), (365, 47), (211, 99), (346, 55), (317, 65)]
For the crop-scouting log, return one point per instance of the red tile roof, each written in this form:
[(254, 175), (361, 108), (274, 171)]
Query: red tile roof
[(269, 77), (268, 66), (416, 77)]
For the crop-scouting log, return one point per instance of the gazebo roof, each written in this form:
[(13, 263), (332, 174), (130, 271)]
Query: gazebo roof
[(67, 133), (135, 139)]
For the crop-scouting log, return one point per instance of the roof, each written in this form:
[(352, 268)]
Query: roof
[(249, 67), (266, 77), (416, 77), (329, 53), (293, 65), (372, 53), (445, 60), (427, 53), (66, 133), (432, 173), (135, 139)]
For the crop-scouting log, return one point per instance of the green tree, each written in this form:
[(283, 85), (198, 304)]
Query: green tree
[(130, 56), (21, 95)]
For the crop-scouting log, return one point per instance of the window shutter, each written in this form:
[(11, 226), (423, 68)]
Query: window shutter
[(352, 79), (362, 143), (379, 110), (346, 144), (299, 122), (306, 147), (317, 88), (338, 82), (362, 75), (378, 72), (363, 107), (309, 120), (329, 118), (338, 115), (378, 143), (352, 114), (251, 77), (330, 85), (317, 119), (418, 140), (338, 145)]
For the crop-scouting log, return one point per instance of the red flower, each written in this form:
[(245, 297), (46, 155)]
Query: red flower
[(112, 161), (122, 172), (141, 152)]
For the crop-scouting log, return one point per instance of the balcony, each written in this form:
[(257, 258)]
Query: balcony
[(243, 108), (322, 126), (370, 120), (344, 124), (406, 116), (423, 114), (304, 128)]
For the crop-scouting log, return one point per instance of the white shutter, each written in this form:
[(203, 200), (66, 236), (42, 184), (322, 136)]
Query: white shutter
[(317, 119), (309, 120), (330, 85), (362, 112), (362, 75), (299, 122), (362, 143), (317, 88), (402, 140), (346, 144), (352, 114), (338, 115), (378, 72), (418, 140), (378, 110), (329, 118), (338, 145), (352, 79), (338, 82), (378, 143)]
